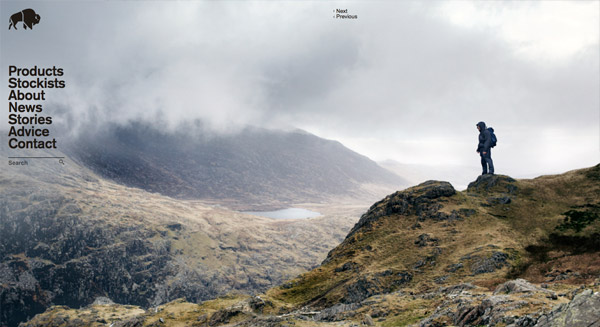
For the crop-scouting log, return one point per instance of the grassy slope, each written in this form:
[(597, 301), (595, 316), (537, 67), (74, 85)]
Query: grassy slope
[(536, 208), (379, 254)]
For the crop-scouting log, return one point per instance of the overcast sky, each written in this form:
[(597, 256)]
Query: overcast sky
[(406, 81)]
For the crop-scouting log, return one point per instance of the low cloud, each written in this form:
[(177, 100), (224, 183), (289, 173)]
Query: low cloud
[(404, 81)]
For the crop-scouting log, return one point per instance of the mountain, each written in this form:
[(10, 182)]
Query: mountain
[(252, 167), (69, 236), (504, 252)]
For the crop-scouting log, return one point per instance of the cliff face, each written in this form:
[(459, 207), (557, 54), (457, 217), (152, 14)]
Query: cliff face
[(51, 254), (503, 252)]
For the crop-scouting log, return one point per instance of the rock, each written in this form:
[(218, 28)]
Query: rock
[(379, 283), (257, 304), (347, 266), (454, 267), (403, 278), (498, 200), (518, 286), (525, 321), (425, 240), (428, 260), (582, 311), (175, 226), (102, 300), (492, 183), (367, 320), (462, 308), (202, 318), (288, 285), (558, 275), (360, 290), (441, 280), (489, 311), (336, 312), (436, 189), (489, 264), (222, 316), (455, 289), (420, 200)]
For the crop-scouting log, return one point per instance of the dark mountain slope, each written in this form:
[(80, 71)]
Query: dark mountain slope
[(253, 166)]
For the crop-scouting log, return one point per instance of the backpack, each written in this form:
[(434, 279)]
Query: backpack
[(494, 139)]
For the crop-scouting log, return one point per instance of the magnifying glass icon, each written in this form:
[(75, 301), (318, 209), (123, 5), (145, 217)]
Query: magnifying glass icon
[(60, 161)]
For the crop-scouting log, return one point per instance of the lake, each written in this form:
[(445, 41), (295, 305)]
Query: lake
[(289, 213)]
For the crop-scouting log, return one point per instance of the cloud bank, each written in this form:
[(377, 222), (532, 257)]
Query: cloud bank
[(405, 81)]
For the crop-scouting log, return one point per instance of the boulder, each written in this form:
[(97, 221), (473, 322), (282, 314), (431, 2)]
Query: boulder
[(518, 286), (582, 311), (493, 184)]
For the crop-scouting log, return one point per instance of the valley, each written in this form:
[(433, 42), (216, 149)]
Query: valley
[(69, 236)]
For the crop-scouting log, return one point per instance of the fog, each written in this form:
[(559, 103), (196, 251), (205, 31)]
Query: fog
[(405, 81)]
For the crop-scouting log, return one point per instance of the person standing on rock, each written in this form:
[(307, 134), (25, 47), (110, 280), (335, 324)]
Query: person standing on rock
[(484, 148)]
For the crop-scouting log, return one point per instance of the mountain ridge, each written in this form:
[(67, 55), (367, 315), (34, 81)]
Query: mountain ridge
[(432, 256), (252, 166)]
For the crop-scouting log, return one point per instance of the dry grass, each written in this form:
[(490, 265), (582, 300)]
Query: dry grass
[(389, 244)]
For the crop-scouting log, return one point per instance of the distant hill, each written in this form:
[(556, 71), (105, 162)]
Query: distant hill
[(505, 252), (253, 166)]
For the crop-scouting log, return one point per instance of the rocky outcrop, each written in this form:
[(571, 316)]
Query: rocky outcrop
[(379, 283), (493, 183), (518, 286), (425, 240), (582, 311), (483, 265), (53, 255), (419, 200), (463, 308), (336, 312)]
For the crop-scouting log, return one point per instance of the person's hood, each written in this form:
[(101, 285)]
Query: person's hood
[(481, 125)]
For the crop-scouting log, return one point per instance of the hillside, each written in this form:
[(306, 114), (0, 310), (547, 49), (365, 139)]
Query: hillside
[(504, 252), (68, 236), (255, 167)]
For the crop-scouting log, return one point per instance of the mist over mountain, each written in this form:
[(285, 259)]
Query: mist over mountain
[(254, 166)]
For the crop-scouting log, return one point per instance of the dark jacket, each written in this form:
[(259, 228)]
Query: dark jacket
[(485, 138)]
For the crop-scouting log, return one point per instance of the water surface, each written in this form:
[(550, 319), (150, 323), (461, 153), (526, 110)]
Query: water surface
[(289, 213)]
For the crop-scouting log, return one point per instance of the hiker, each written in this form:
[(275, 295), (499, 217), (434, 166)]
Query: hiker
[(484, 149)]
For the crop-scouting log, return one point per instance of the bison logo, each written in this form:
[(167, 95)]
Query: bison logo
[(27, 16)]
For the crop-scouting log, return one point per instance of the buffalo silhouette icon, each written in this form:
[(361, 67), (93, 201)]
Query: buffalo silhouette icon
[(27, 16)]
